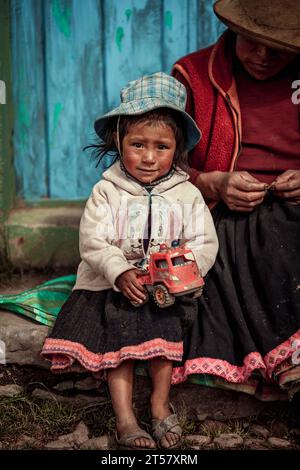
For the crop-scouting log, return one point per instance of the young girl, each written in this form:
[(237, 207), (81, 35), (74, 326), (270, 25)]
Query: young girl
[(142, 200)]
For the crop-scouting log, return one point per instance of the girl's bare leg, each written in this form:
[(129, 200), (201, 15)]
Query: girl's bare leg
[(120, 383), (161, 373)]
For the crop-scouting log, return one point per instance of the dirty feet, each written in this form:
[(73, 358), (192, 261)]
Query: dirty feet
[(131, 436), (165, 427)]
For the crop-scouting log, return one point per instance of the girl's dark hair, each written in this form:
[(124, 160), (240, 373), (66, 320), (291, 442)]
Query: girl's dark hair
[(107, 146)]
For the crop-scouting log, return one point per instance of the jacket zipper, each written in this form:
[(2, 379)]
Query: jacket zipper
[(149, 217)]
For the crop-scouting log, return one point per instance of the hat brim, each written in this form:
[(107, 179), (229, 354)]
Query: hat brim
[(233, 16), (137, 107)]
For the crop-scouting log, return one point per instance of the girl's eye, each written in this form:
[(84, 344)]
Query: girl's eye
[(162, 147), (138, 145)]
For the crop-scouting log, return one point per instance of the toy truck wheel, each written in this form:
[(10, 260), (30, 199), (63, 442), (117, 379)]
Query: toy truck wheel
[(136, 304), (162, 296), (198, 293)]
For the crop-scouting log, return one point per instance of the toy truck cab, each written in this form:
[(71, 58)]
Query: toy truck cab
[(171, 272)]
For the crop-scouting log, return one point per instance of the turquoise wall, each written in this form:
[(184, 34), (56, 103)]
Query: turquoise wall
[(70, 59)]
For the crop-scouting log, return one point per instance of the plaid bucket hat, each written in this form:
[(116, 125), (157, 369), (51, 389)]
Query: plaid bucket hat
[(150, 92)]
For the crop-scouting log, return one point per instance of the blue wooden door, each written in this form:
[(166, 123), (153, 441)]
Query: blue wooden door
[(70, 60)]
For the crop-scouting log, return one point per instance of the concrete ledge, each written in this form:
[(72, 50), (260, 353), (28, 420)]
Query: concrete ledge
[(43, 237)]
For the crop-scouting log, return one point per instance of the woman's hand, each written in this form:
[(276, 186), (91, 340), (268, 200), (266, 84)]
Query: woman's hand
[(287, 186), (239, 190), (130, 285)]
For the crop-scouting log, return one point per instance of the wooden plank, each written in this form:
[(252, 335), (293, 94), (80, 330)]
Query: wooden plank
[(61, 98), (175, 32), (132, 42), (89, 89), (193, 25), (147, 36), (210, 27), (75, 93), (28, 82)]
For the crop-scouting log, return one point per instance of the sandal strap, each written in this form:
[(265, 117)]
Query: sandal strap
[(128, 439), (169, 424)]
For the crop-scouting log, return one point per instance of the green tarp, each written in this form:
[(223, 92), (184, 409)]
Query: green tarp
[(41, 303)]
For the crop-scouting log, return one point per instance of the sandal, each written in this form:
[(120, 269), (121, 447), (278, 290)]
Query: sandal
[(127, 440), (160, 427)]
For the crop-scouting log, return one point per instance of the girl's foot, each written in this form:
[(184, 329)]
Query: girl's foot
[(132, 436), (163, 418)]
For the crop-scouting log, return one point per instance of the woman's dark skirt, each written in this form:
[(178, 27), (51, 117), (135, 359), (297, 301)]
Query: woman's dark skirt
[(248, 325), (245, 333)]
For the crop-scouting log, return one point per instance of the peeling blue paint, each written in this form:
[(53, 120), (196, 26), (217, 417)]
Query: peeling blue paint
[(62, 16), (128, 14), (58, 107), (24, 121), (119, 37), (169, 19)]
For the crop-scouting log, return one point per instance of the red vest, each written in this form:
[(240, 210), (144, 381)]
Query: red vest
[(216, 109)]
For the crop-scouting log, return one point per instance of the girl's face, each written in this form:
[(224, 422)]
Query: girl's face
[(148, 150)]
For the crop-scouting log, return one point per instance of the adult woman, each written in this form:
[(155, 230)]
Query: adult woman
[(248, 166)]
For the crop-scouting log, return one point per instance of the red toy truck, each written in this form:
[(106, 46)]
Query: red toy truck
[(171, 272)]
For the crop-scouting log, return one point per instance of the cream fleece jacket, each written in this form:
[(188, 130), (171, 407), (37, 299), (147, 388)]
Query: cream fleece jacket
[(114, 223)]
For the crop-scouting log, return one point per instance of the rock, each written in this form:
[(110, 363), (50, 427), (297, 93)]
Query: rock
[(23, 340), (216, 403), (210, 446), (26, 441), (10, 390), (87, 384), (97, 443), (258, 430), (58, 445), (196, 441), (80, 399), (76, 400), (279, 429), (72, 440), (255, 444), (229, 441), (202, 417), (279, 443), (62, 386)]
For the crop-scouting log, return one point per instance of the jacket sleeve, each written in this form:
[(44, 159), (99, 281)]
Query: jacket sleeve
[(97, 235), (199, 234)]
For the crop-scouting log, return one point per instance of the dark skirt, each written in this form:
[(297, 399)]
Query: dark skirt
[(248, 325), (95, 331), (245, 332)]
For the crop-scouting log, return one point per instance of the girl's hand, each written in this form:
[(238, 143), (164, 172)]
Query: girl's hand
[(287, 186), (238, 189), (130, 285)]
